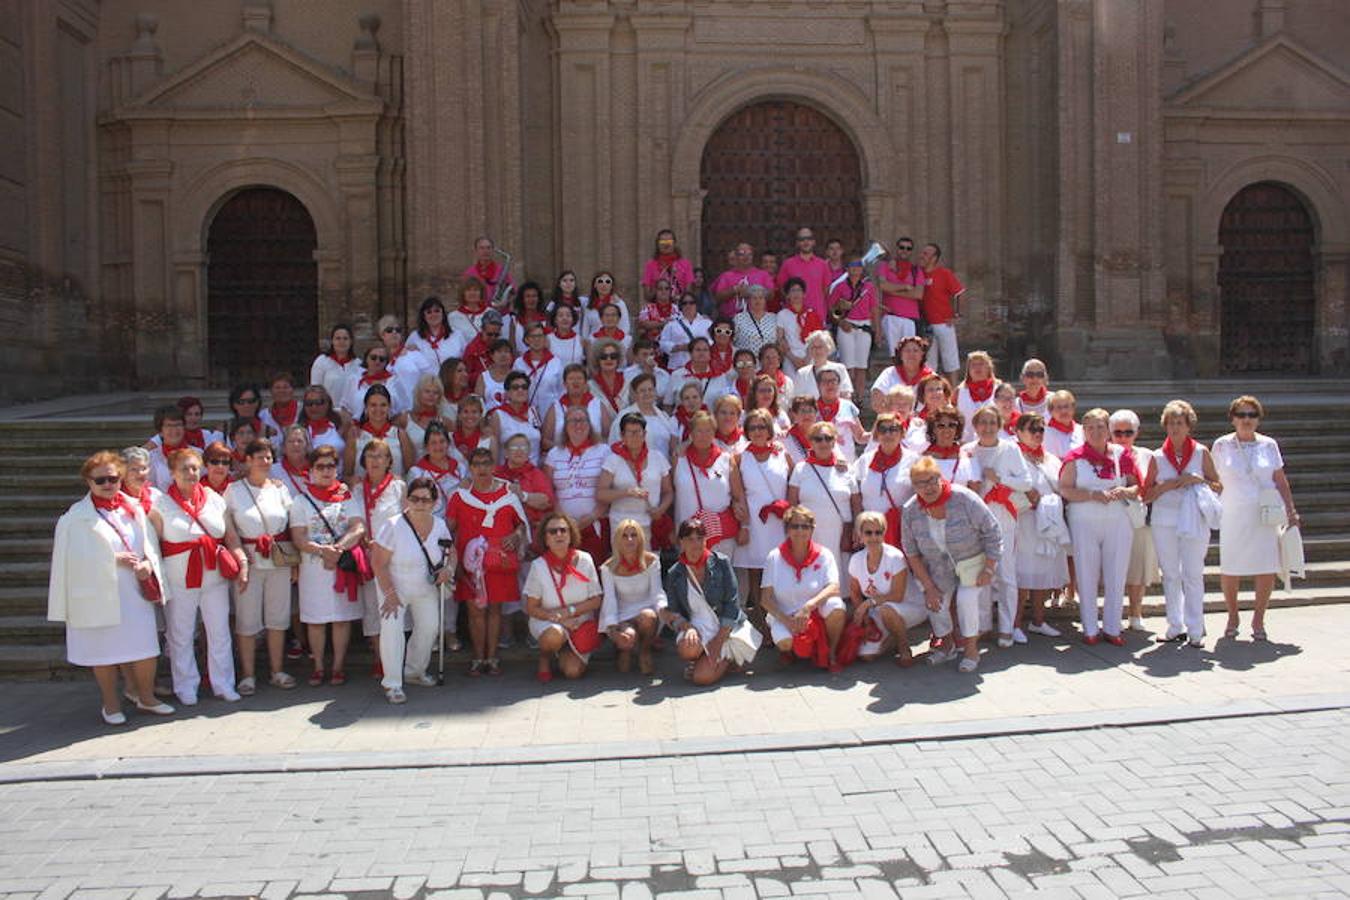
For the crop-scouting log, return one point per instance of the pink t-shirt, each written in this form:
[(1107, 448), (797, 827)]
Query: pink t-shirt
[(681, 273), (815, 272), (489, 278), (862, 307), (941, 288), (732, 277), (900, 273)]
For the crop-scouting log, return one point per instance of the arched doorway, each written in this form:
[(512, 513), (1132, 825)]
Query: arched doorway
[(773, 166), (262, 285), (1267, 292)]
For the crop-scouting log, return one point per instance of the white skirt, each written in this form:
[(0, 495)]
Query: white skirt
[(319, 603), (1034, 571), (1246, 546), (764, 537), (132, 639)]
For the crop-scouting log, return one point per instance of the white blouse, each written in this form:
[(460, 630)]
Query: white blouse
[(575, 477), (407, 565), (628, 595), (540, 582), (653, 471), (791, 594), (892, 565), (1246, 467), (259, 511), (179, 527)]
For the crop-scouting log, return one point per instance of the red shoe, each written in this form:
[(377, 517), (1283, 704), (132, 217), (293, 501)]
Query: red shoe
[(543, 676), (1114, 640), (339, 679), (1092, 639), (316, 678), (836, 668)]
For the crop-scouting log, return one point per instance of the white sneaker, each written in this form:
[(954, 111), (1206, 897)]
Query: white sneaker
[(968, 665), (1019, 636), (395, 695), (229, 696), (1137, 624), (247, 687), (1045, 628), (422, 679), (1005, 642)]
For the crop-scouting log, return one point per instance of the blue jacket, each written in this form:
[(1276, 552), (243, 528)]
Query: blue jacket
[(719, 589)]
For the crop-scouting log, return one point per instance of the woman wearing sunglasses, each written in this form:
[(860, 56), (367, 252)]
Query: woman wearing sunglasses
[(514, 417), (409, 568), (944, 448), (1256, 502), (1035, 394), (563, 596), (801, 582), (611, 330), (1143, 569), (877, 578), (404, 366), (607, 378), (602, 294), (830, 490), (103, 551), (1042, 558), (322, 421)]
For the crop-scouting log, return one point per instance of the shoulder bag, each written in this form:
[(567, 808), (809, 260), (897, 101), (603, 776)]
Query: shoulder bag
[(283, 554), (150, 587)]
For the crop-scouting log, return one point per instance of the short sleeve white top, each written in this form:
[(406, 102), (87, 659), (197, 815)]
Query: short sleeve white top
[(407, 565), (892, 564), (790, 593), (575, 477), (654, 469), (258, 511), (540, 582)]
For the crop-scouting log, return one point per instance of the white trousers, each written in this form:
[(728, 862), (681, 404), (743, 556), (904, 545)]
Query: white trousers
[(895, 328), (1101, 555), (943, 354), (1182, 560), (180, 622), (967, 603), (1002, 591), (399, 658)]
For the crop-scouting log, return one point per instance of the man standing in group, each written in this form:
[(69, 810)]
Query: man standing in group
[(812, 269), (486, 269), (940, 310), (901, 290), (732, 287)]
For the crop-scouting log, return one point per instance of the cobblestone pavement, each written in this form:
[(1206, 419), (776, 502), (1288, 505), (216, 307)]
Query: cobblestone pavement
[(1240, 807)]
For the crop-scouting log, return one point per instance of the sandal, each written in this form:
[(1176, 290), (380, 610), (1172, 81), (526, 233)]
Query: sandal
[(493, 666), (316, 678), (904, 660), (1258, 634), (339, 678), (476, 668)]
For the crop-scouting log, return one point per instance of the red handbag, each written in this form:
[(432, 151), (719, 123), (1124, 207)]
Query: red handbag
[(849, 643), (812, 643), (717, 526), (585, 638), (151, 590), (227, 564), (495, 559)]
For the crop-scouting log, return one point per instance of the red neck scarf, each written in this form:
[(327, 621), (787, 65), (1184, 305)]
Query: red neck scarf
[(318, 426), (1035, 454), (434, 340), (797, 434), (192, 505), (762, 452), (731, 438), (611, 389), (952, 452), (1010, 427), (118, 501), (196, 437), (166, 448), (563, 568), (664, 310), (284, 413), (379, 432), (638, 464), (980, 391), (799, 566), (624, 567), (705, 467), (520, 415), (683, 416), (487, 271), (533, 365), (375, 377), (883, 462), (705, 374), (583, 401), (1037, 400), (516, 476), (924, 372), (827, 410), (1179, 461), (341, 361), (696, 563), (143, 497), (942, 498), (466, 443), (814, 460), (202, 550), (372, 496), (807, 322), (456, 396), (334, 493), (424, 414), (722, 358), (575, 450), (743, 389), (292, 471), (1101, 463), (451, 467), (212, 486), (613, 334), (1060, 426), (564, 336)]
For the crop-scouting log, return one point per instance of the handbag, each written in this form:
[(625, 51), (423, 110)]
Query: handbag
[(968, 571), (717, 526), (353, 561), (1136, 512), (151, 590), (283, 554), (1272, 508), (227, 564)]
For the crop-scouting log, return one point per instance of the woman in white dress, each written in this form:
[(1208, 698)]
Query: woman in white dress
[(1096, 481), (1035, 394), (801, 578), (563, 596), (663, 432), (334, 368), (1003, 475), (882, 474), (410, 565), (441, 464), (702, 482), (1175, 472), (376, 423), (634, 598), (544, 370), (1143, 570), (324, 525), (727, 411), (976, 390), (192, 524), (1062, 433), (1256, 502), (819, 348), (103, 550), (797, 439), (944, 427), (877, 578), (634, 481), (515, 416), (705, 610), (564, 341), (377, 497), (352, 400), (830, 491), (759, 487), (260, 510), (284, 410), (575, 467), (1042, 566)]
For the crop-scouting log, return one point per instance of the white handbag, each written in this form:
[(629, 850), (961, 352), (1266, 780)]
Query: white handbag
[(968, 571), (1137, 512), (1272, 508)]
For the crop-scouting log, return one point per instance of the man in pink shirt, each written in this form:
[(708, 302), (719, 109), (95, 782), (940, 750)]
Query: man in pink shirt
[(811, 269), (487, 270), (940, 297), (732, 287), (901, 285)]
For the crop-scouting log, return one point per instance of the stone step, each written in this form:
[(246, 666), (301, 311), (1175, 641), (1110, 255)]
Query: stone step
[(19, 549)]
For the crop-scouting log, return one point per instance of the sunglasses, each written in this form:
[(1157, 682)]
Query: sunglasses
[(822, 439), (945, 425), (923, 482), (1123, 432), (325, 467), (904, 246), (758, 426), (394, 329), (420, 498), (888, 429), (102, 480), (1035, 429), (316, 403), (805, 237), (377, 357), (800, 526), (560, 529), (1246, 414), (604, 281), (726, 331), (873, 532), (217, 462), (1033, 374), (604, 356)]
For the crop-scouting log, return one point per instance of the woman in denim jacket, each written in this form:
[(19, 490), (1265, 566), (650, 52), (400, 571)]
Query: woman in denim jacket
[(705, 606)]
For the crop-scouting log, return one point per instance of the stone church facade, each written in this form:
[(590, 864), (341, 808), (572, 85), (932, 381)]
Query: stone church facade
[(1130, 188)]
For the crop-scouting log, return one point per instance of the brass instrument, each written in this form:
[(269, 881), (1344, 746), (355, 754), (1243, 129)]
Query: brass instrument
[(501, 295)]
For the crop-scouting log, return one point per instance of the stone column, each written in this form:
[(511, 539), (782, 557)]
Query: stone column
[(1332, 328), (660, 86), (899, 207)]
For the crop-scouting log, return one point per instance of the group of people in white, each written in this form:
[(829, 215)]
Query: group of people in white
[(538, 460)]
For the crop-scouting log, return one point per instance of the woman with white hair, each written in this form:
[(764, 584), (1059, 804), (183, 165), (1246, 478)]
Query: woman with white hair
[(406, 364), (1143, 570), (1176, 471), (819, 348), (755, 326), (1035, 394)]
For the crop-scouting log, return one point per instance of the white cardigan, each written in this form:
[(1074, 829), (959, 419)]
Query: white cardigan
[(82, 591)]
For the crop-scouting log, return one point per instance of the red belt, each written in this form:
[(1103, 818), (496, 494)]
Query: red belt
[(1002, 495), (265, 541), (203, 550)]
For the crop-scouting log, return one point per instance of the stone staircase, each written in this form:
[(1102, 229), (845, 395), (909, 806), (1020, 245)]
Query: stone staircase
[(42, 446)]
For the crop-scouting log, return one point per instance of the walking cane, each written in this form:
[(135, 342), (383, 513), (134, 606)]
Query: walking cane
[(443, 591)]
